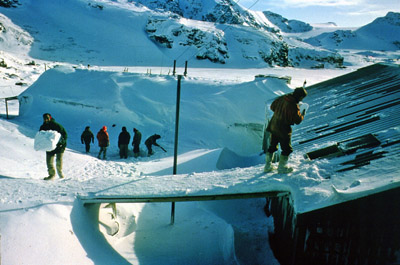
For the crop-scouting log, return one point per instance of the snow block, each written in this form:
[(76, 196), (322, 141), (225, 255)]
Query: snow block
[(46, 140)]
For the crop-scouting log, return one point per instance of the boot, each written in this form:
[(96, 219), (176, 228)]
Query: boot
[(283, 168), (269, 157), (49, 178)]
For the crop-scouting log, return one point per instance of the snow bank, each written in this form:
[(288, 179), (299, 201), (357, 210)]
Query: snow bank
[(147, 102), (40, 235)]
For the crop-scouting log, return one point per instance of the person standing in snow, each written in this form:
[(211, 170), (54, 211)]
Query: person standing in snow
[(152, 141), (286, 113), (104, 142), (123, 142), (49, 124), (137, 138), (87, 137)]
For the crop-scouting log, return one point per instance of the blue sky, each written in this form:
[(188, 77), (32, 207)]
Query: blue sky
[(345, 13)]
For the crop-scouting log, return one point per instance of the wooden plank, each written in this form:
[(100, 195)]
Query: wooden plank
[(6, 102), (330, 151), (391, 143), (362, 160), (361, 142), (212, 197), (10, 98)]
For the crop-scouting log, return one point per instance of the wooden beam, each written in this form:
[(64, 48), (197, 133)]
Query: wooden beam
[(142, 199), (6, 102)]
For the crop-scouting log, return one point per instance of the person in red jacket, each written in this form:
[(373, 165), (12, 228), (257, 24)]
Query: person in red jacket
[(286, 113), (104, 141)]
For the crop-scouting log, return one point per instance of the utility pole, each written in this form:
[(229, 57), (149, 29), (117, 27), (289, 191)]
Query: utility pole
[(185, 73), (178, 101)]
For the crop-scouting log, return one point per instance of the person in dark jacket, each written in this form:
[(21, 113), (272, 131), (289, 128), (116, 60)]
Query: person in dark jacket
[(152, 140), (104, 142), (137, 138), (123, 142), (87, 137), (49, 124), (286, 113)]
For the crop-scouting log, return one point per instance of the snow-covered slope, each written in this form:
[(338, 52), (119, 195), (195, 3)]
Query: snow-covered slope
[(381, 34), (152, 31), (286, 25), (152, 110)]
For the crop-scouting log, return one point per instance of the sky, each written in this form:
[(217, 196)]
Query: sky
[(345, 13)]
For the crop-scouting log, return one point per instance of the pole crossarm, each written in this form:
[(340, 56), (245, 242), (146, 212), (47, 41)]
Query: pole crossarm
[(6, 99), (186, 198), (10, 98)]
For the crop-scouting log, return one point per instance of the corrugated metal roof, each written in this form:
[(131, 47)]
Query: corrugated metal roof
[(359, 113)]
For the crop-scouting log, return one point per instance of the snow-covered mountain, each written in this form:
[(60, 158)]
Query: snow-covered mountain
[(381, 34), (202, 32), (36, 35), (222, 12), (285, 25)]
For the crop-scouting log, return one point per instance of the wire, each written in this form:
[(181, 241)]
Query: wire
[(253, 4)]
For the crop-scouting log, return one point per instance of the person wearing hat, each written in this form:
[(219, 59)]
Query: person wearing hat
[(87, 137), (123, 142), (286, 113), (104, 142), (49, 124), (137, 138)]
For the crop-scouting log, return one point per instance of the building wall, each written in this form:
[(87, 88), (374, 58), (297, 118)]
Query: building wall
[(362, 231)]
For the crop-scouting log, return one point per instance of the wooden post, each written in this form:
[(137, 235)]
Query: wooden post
[(174, 70), (185, 73), (178, 99), (6, 107)]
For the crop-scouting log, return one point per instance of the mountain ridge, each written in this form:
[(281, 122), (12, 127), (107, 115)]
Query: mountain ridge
[(236, 39), (383, 32), (207, 33)]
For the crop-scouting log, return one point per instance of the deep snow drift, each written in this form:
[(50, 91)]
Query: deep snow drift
[(60, 227), (222, 113)]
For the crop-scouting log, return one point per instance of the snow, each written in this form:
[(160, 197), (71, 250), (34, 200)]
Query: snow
[(382, 32), (58, 221), (44, 222), (46, 140)]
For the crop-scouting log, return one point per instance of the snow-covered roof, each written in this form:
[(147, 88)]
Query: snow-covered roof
[(355, 116)]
